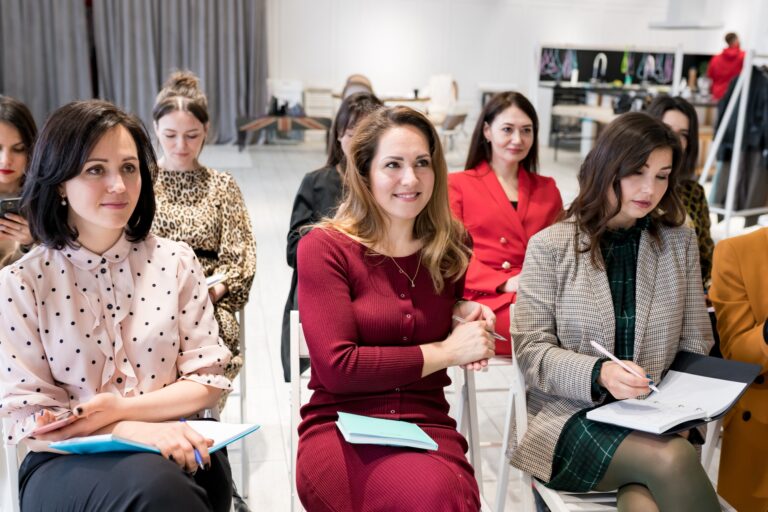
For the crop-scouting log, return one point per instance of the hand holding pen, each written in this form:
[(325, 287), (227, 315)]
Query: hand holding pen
[(198, 457), (479, 339), (492, 333), (623, 379)]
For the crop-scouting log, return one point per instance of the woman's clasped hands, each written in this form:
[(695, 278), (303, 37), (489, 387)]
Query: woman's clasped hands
[(471, 343)]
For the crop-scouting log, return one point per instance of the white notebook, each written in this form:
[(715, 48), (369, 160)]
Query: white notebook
[(682, 397)]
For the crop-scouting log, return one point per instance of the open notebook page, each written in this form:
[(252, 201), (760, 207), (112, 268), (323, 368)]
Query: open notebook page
[(712, 396)]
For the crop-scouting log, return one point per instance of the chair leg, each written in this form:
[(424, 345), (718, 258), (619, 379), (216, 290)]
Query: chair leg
[(245, 472), (502, 481), (474, 428)]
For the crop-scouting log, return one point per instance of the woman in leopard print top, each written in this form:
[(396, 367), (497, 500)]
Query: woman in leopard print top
[(681, 117), (201, 206)]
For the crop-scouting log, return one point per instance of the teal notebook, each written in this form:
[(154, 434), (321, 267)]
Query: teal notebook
[(221, 433), (366, 430)]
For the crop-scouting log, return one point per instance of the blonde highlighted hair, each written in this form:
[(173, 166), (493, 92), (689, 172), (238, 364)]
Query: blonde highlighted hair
[(444, 254)]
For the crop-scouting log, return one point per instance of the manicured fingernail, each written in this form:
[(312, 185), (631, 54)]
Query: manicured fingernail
[(648, 375), (651, 383)]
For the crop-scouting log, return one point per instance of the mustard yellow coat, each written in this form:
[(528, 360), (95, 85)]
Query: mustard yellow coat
[(739, 293)]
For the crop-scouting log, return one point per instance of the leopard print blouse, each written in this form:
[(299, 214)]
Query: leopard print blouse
[(695, 202), (205, 209)]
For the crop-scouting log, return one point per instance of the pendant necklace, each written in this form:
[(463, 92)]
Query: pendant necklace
[(412, 281)]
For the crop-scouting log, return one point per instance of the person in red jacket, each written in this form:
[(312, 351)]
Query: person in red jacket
[(725, 66), (379, 287), (503, 202)]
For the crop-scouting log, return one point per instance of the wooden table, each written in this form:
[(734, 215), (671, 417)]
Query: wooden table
[(282, 123)]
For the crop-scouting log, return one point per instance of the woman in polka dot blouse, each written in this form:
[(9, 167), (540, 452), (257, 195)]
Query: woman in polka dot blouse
[(110, 323)]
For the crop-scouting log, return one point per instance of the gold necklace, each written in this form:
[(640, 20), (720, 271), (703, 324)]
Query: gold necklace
[(418, 266)]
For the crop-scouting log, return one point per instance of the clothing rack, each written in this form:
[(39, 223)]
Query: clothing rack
[(740, 90)]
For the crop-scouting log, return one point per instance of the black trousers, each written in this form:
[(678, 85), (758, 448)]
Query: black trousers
[(136, 482)]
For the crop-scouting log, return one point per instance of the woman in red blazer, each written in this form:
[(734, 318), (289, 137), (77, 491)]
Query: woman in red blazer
[(502, 202)]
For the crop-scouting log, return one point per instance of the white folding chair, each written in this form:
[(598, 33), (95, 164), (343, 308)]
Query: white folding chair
[(710, 446), (13, 455), (298, 351)]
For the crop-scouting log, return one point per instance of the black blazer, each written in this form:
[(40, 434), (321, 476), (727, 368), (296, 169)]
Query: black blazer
[(318, 196)]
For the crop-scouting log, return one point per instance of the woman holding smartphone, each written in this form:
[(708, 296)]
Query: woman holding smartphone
[(108, 322), (17, 134)]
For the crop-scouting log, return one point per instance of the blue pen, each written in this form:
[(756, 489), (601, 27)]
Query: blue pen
[(198, 457)]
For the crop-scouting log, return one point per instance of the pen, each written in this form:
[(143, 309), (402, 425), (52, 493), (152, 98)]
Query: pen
[(615, 359), (198, 457), (495, 335)]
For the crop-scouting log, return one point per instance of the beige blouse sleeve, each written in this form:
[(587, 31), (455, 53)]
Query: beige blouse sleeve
[(26, 383), (203, 355), (237, 251)]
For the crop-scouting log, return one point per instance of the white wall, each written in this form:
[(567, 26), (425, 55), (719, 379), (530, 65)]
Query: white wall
[(398, 44)]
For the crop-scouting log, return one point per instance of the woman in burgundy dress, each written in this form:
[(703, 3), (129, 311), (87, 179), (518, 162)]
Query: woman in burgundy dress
[(378, 285)]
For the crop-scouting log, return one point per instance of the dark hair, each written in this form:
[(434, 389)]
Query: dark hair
[(480, 150), (354, 108), (730, 37), (66, 140), (623, 148), (662, 104), (15, 113), (181, 92)]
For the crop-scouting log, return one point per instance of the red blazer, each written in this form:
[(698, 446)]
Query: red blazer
[(500, 233)]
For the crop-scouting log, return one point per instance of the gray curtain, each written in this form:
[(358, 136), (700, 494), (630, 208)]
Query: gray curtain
[(224, 42), (44, 53)]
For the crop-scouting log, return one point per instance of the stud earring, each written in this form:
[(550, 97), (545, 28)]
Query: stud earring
[(63, 201)]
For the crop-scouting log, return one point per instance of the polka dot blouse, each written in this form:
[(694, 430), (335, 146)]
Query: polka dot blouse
[(74, 324)]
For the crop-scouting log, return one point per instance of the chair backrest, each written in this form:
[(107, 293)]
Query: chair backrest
[(453, 121), (299, 350), (442, 97)]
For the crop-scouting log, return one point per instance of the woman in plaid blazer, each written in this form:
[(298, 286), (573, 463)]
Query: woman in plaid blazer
[(620, 269)]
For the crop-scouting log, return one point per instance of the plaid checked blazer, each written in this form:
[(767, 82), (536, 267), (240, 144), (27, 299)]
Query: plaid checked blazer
[(564, 302)]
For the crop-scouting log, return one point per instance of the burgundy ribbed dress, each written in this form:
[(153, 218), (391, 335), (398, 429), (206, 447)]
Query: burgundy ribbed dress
[(363, 323)]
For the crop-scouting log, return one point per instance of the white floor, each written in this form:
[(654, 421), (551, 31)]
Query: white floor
[(269, 177)]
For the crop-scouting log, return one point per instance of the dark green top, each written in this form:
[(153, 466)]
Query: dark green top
[(585, 447)]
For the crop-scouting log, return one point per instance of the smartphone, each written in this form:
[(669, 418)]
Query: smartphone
[(62, 420), (10, 205)]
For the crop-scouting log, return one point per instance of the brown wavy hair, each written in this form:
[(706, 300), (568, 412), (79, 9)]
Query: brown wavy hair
[(444, 254), (622, 149)]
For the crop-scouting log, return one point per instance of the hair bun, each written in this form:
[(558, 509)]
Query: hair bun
[(183, 83)]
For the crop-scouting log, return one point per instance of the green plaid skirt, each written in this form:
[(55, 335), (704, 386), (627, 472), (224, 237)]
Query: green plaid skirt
[(583, 453)]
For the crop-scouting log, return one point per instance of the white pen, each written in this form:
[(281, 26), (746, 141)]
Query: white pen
[(495, 335), (615, 359)]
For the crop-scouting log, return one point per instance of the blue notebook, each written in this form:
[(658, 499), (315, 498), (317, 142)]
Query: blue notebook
[(366, 430), (221, 433)]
